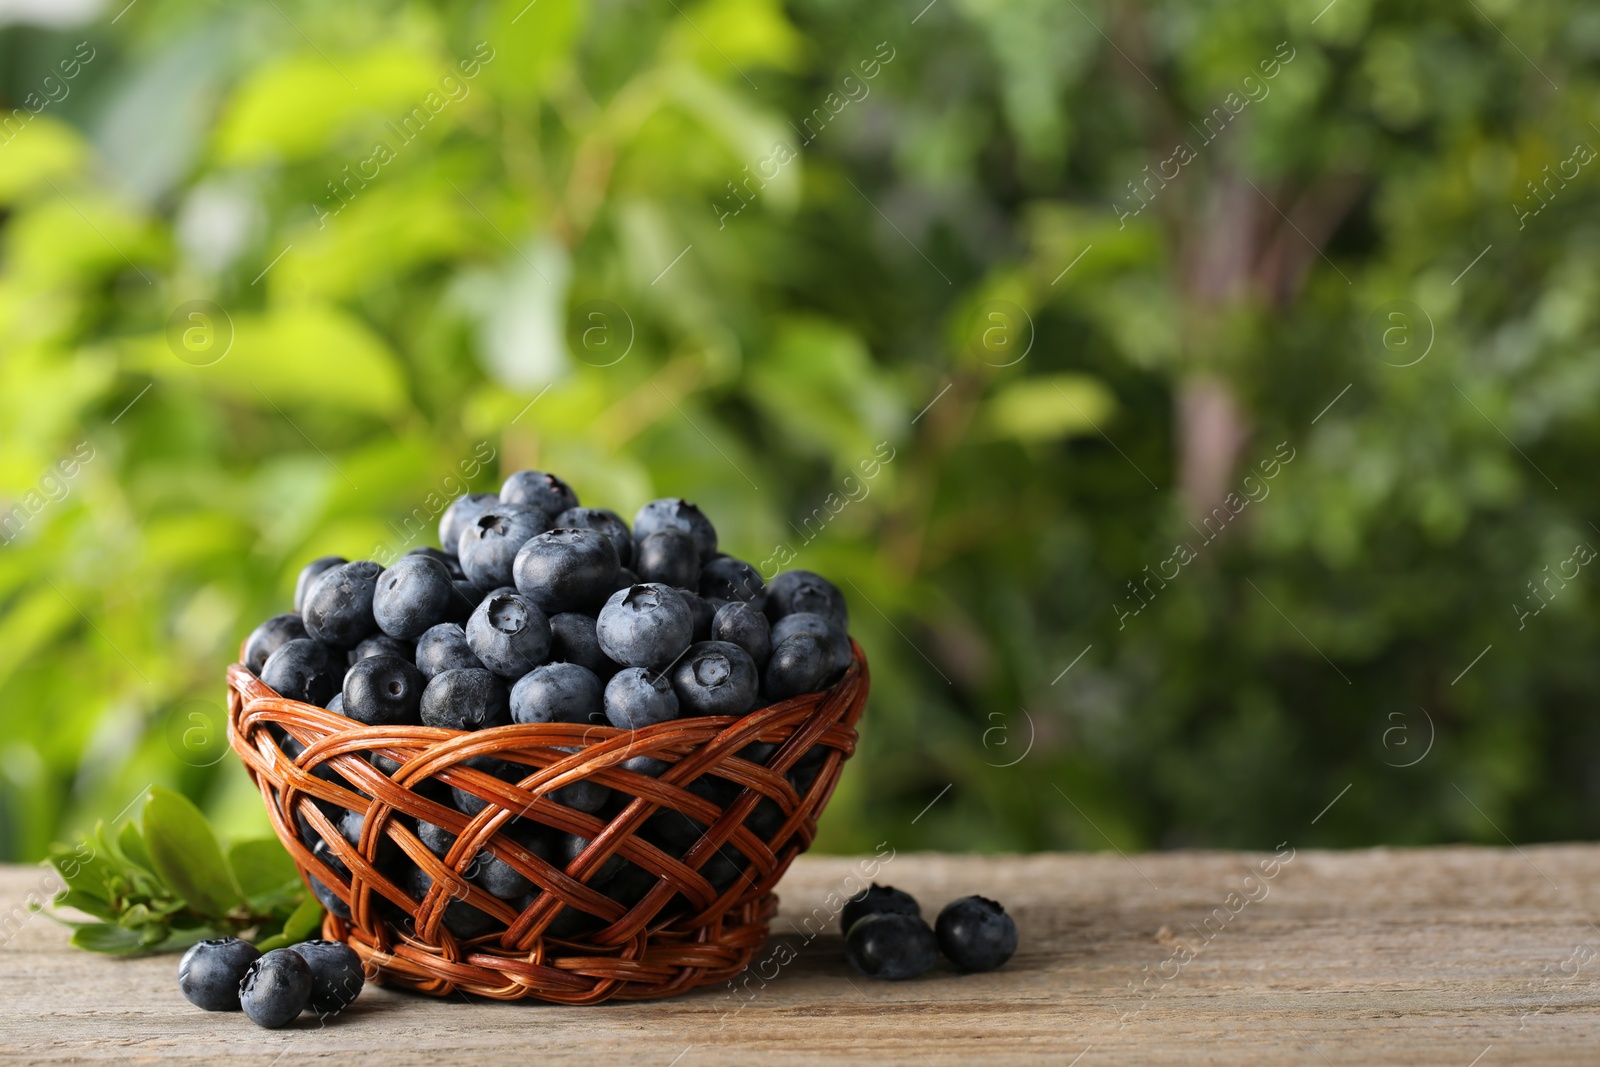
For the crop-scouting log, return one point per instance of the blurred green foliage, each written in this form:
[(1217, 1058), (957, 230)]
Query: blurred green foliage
[(1078, 270)]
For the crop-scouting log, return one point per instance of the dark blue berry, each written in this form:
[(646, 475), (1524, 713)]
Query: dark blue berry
[(557, 692), (678, 514), (384, 691), (336, 705), (573, 640), (469, 802), (509, 634), (465, 699), (889, 945), (462, 512), (668, 556), (338, 607), (489, 545), (645, 626), (444, 648), (536, 489), (304, 670), (383, 645), (210, 972), (626, 577), (336, 974), (574, 845), (497, 877), (702, 610), (648, 766), (637, 697), (834, 639), (745, 626), (726, 578), (567, 570), (327, 897), (603, 521), (276, 989), (411, 596), (310, 573), (460, 918), (451, 563), (976, 934), (267, 638), (798, 665), (716, 678), (796, 591), (878, 900)]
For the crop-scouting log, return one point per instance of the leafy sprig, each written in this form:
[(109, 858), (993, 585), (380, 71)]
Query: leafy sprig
[(163, 883)]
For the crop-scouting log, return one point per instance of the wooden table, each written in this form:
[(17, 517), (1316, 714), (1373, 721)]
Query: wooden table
[(1464, 957)]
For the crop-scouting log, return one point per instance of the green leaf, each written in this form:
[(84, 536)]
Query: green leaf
[(131, 843), (86, 903), (305, 922), (262, 867), (102, 937), (186, 854), (1047, 407)]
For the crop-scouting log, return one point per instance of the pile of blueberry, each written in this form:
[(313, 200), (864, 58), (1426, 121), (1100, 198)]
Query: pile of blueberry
[(538, 610), (886, 937), (227, 974)]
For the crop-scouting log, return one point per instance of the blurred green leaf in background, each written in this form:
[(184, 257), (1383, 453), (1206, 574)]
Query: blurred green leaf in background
[(274, 277)]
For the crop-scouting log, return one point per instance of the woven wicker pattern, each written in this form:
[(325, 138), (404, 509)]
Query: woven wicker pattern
[(572, 944)]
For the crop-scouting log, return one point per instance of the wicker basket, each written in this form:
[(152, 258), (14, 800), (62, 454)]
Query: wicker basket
[(675, 931)]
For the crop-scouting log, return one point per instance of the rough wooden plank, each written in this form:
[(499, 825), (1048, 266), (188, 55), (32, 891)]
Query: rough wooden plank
[(1456, 956)]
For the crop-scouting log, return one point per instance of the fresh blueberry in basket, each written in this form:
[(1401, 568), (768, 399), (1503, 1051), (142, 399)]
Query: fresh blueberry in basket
[(878, 900), (497, 877), (668, 556), (336, 974), (826, 630), (645, 626), (585, 794), (309, 574), (795, 591), (636, 697), (573, 640), (444, 648), (744, 625), (509, 633), (676, 513), (489, 545), (567, 570), (462, 919), (327, 897), (305, 670), (412, 595), (468, 698), (451, 563), (276, 989), (891, 945), (976, 934), (336, 704), (716, 678), (557, 692), (601, 521), (469, 802), (536, 489), (701, 610), (351, 825), (267, 638), (799, 665), (338, 607), (383, 645), (462, 512), (572, 846), (384, 691), (210, 972), (726, 578)]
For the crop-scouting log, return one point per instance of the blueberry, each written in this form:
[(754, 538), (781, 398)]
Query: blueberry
[(573, 640), (384, 691), (645, 626), (536, 489), (465, 699), (276, 989), (745, 626), (351, 825), (583, 795), (460, 918), (462, 512), (702, 610), (726, 578), (716, 678), (383, 645), (878, 900), (210, 972), (497, 877), (266, 639), (677, 513), (637, 697), (567, 570), (976, 934), (411, 596), (336, 974), (648, 766), (603, 521), (451, 563), (833, 638), (892, 946), (489, 545), (557, 692), (328, 898), (336, 705), (309, 574), (338, 608), (668, 556), (625, 578), (467, 596), (471, 803), (304, 669), (797, 666), (574, 846), (437, 839), (795, 591), (444, 648), (509, 634)]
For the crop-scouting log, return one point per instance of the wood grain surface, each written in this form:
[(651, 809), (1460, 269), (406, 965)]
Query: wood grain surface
[(1465, 957)]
